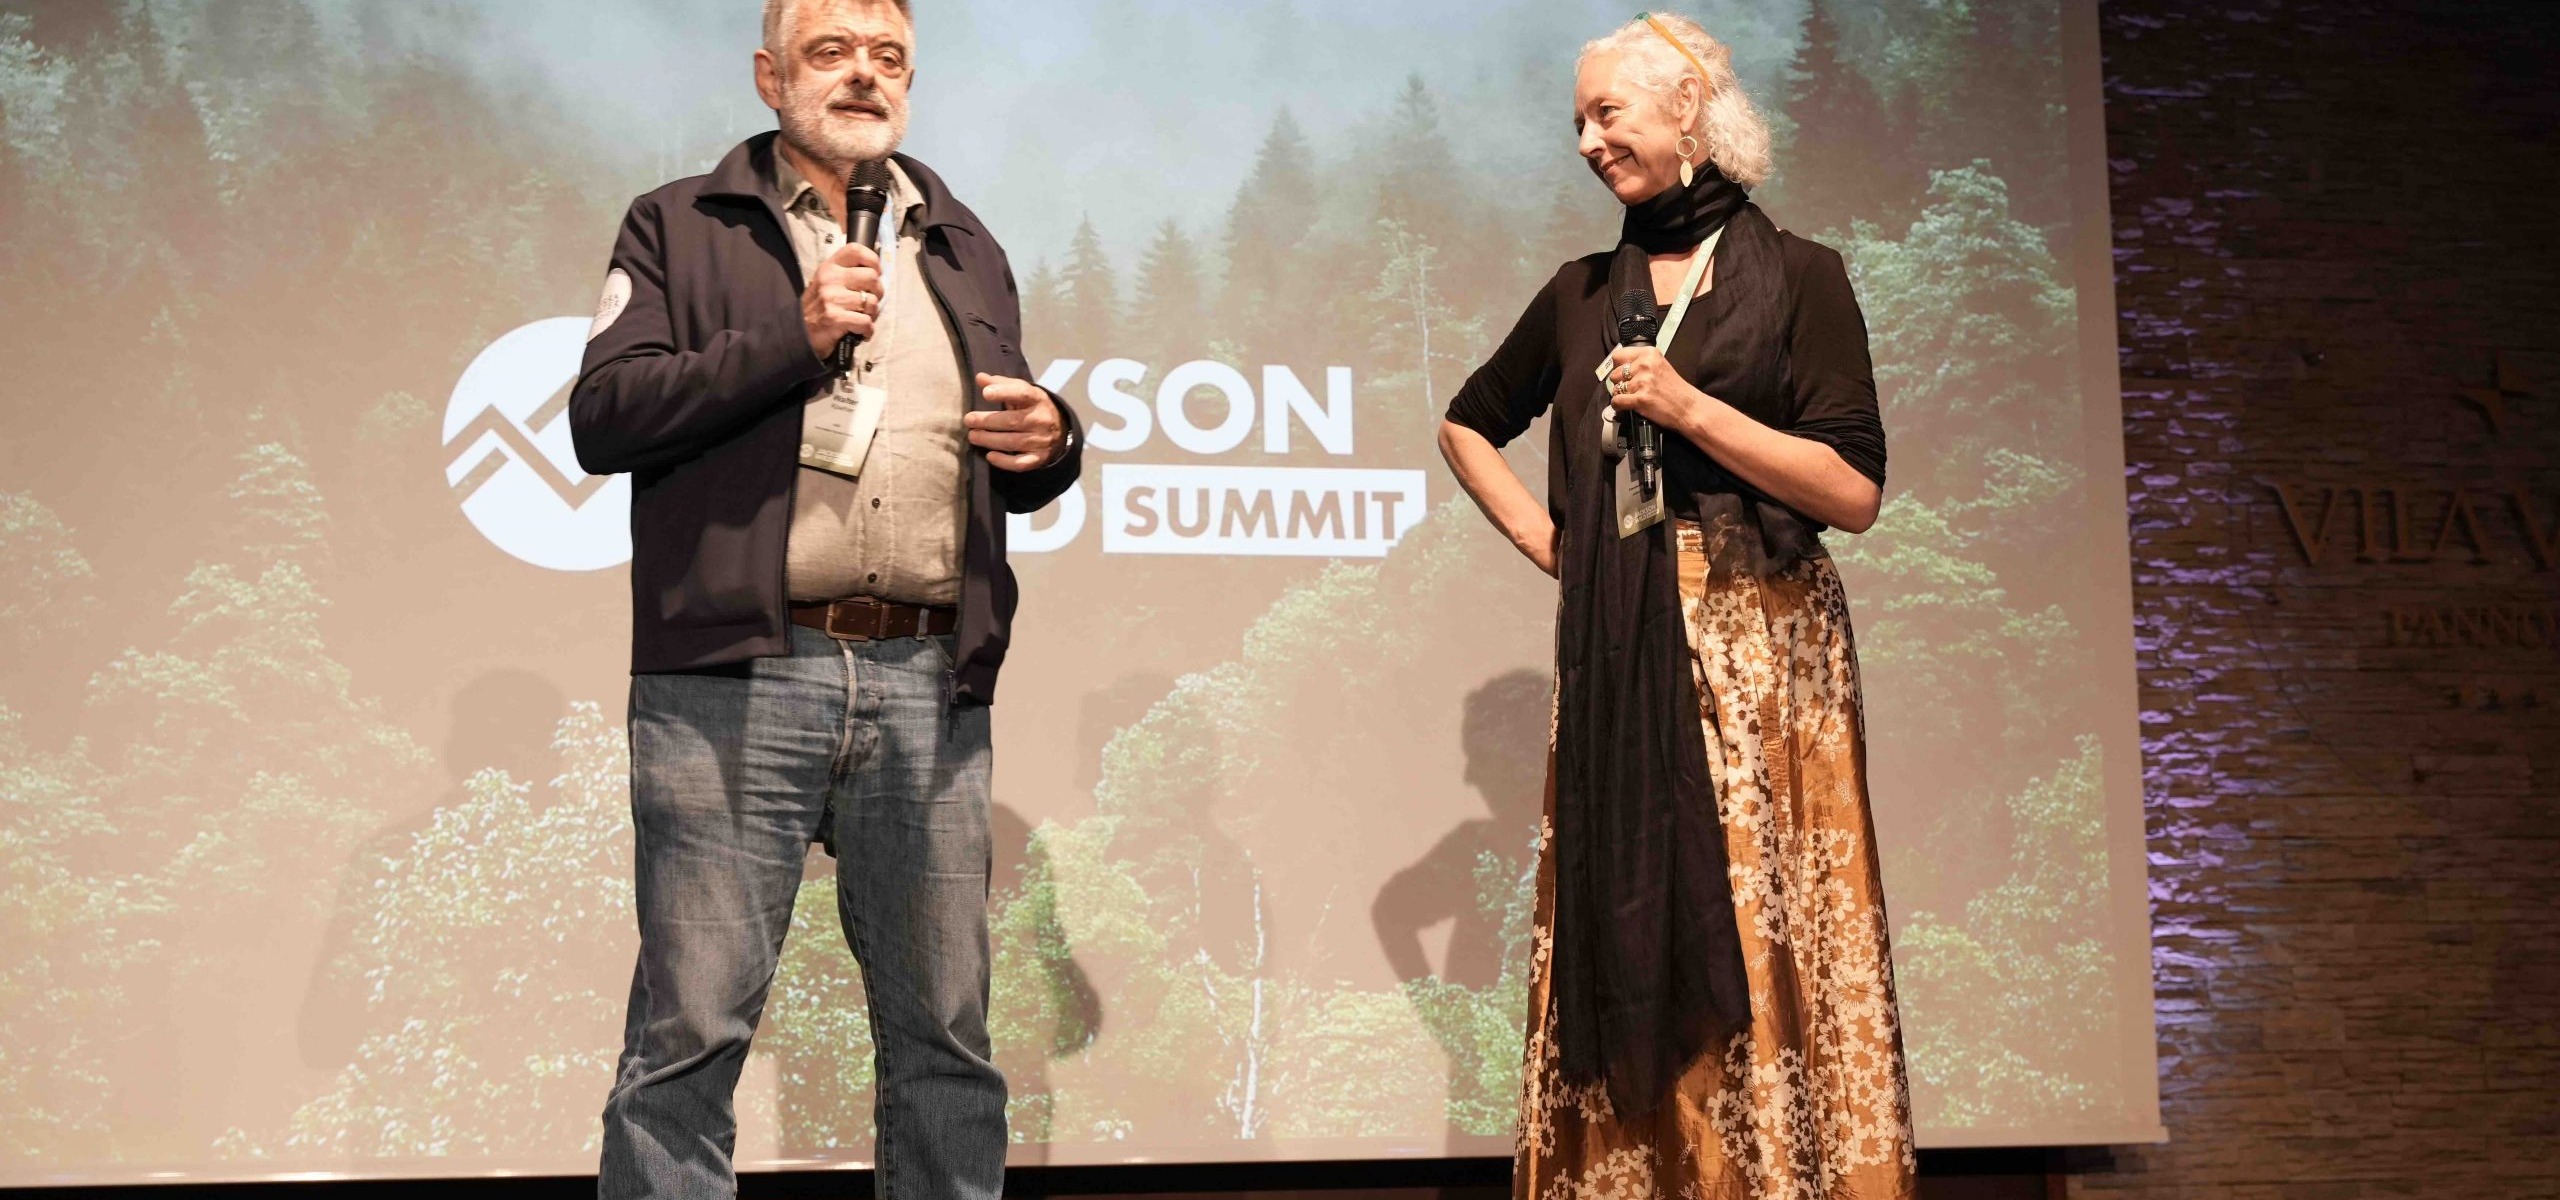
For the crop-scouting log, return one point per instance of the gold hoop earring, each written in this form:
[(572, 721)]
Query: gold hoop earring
[(1687, 146)]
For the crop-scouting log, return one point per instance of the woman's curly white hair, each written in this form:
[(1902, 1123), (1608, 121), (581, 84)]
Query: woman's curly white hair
[(1735, 138)]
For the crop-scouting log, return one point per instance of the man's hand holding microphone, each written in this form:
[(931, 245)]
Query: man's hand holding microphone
[(843, 300)]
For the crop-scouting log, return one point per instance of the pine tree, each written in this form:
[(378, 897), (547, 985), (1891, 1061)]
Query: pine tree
[(488, 936), (170, 135), (1429, 230), (60, 985), (1092, 298), (1423, 341), (1167, 322), (1581, 219), (19, 61), (45, 585), (1902, 170), (1265, 228), (279, 515), (2001, 101), (1831, 162), (1044, 314), (1420, 190), (1971, 320)]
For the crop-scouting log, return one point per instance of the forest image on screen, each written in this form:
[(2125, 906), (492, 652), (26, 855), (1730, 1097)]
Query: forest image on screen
[(313, 774)]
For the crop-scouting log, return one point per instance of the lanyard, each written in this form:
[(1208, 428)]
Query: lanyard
[(1680, 307), (1688, 290)]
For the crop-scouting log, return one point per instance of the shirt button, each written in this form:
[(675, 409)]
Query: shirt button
[(874, 577), (875, 502)]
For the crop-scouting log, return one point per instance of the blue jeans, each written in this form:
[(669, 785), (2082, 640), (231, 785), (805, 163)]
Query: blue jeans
[(731, 772)]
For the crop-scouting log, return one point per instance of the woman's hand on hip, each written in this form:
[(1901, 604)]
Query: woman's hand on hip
[(1505, 500), (1643, 382), (1539, 544)]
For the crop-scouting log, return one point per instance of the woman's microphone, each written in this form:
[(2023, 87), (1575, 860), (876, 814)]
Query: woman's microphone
[(1638, 321), (866, 197)]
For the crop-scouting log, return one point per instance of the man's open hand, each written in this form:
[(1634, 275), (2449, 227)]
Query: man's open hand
[(1025, 433)]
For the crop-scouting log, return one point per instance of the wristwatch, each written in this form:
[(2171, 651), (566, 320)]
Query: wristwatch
[(1067, 432)]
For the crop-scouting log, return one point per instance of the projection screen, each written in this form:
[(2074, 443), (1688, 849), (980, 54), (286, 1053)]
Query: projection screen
[(314, 837)]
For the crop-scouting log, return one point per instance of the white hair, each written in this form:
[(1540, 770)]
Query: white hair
[(777, 15), (1735, 138), (780, 17)]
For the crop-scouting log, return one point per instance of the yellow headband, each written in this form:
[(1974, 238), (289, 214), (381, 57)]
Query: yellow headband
[(1704, 80)]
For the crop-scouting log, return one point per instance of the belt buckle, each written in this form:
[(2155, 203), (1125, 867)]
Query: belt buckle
[(840, 626)]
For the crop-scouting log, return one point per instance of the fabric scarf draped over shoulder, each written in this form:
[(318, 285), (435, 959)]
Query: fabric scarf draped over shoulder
[(1647, 966)]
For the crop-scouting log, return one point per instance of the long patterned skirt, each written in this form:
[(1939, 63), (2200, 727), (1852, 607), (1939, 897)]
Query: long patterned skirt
[(1810, 1102)]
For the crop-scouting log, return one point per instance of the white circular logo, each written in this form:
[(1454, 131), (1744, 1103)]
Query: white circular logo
[(510, 462)]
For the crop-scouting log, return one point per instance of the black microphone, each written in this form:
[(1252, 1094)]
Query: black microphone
[(866, 197), (1639, 319)]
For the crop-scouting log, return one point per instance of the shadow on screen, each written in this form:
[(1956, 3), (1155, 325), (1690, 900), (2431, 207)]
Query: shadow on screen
[(504, 719), (1042, 1006), (1180, 846), (1063, 1012), (1473, 880), (1107, 710), (1197, 883)]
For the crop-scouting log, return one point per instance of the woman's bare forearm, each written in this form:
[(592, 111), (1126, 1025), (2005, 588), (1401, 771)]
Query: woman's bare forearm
[(1498, 492), (1805, 475)]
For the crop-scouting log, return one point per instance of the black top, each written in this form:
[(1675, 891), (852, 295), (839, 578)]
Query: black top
[(1830, 392)]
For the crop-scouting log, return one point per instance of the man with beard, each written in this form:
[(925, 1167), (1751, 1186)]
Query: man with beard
[(820, 603)]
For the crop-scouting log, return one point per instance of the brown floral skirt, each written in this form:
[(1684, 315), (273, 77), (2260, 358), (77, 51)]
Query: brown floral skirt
[(1810, 1102)]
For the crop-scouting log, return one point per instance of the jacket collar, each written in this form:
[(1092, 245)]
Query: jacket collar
[(746, 175)]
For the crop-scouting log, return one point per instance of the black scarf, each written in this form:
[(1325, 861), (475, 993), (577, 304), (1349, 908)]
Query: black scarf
[(1678, 217), (1647, 967)]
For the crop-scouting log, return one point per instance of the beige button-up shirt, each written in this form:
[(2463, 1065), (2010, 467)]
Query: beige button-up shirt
[(895, 533)]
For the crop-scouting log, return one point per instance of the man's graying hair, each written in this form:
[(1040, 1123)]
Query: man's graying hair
[(778, 16)]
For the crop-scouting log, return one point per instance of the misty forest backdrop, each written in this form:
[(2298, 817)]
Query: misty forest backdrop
[(238, 293)]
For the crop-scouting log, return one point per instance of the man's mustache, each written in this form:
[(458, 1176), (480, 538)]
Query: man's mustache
[(871, 98)]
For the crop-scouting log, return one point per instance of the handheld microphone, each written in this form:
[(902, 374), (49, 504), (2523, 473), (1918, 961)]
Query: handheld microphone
[(866, 197), (1639, 319)]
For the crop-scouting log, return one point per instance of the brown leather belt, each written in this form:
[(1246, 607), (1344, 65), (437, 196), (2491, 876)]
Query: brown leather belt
[(863, 619)]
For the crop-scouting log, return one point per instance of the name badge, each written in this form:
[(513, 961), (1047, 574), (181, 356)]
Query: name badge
[(836, 429)]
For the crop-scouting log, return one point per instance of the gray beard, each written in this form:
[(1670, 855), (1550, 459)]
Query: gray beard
[(836, 144)]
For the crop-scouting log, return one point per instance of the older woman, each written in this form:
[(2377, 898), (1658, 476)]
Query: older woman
[(1711, 1000)]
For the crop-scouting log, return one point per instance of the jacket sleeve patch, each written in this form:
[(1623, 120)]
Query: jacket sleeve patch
[(617, 295)]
